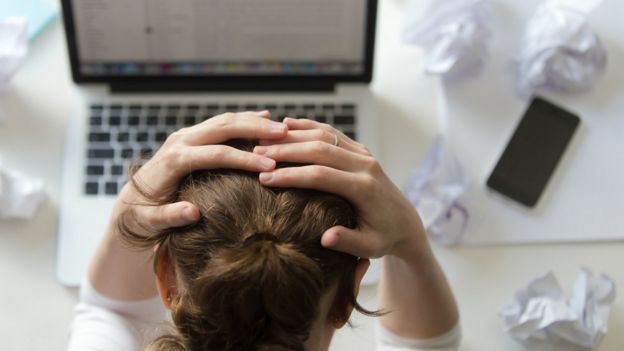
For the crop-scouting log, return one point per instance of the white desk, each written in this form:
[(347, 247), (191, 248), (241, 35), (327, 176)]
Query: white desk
[(36, 309)]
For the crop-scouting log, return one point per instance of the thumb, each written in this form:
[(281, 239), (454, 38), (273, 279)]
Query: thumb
[(177, 214), (347, 240)]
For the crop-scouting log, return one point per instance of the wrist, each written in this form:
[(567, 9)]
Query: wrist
[(414, 247)]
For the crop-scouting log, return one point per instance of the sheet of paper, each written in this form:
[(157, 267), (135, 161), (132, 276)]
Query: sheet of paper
[(582, 200)]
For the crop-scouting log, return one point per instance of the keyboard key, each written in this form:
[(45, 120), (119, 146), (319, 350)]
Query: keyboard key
[(351, 135), (344, 119), (171, 120), (152, 120), (270, 107), (160, 137), (91, 188), (251, 107), (95, 121), (114, 120), (111, 188), (99, 137), (329, 107), (135, 108), (133, 120), (173, 107), (231, 107), (123, 137), (189, 121), (192, 107), (116, 107), (101, 153), (348, 107), (153, 108), (127, 153), (213, 107), (146, 151), (320, 118), (142, 137), (96, 107), (116, 170), (95, 170), (290, 107)]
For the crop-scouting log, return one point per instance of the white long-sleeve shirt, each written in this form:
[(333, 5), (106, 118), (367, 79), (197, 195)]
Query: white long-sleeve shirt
[(104, 324)]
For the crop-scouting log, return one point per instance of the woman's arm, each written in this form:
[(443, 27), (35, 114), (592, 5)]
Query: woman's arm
[(124, 274), (413, 288)]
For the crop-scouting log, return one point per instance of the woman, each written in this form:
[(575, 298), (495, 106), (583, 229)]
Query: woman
[(221, 297)]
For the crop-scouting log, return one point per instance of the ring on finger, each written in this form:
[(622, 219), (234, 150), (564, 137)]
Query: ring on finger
[(336, 140)]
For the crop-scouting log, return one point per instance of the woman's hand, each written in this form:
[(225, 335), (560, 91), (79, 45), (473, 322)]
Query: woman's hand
[(389, 224), (195, 148)]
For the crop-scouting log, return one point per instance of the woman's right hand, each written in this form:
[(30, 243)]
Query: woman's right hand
[(192, 148), (389, 224)]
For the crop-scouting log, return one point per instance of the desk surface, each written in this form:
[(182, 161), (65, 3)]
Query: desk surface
[(37, 310)]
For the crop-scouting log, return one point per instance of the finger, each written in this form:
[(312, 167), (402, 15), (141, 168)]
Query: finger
[(298, 136), (223, 156), (315, 152), (173, 215), (227, 126), (305, 124), (320, 178), (164, 173), (265, 114), (353, 242)]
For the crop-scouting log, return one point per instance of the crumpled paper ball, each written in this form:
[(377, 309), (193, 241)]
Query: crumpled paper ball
[(542, 318), (559, 50), (20, 196), (455, 34), (437, 189)]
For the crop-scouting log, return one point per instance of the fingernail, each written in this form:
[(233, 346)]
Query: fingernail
[(260, 150), (267, 163), (189, 214), (266, 176), (328, 241)]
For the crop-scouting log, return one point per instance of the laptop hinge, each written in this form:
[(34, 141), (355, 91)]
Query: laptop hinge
[(221, 86)]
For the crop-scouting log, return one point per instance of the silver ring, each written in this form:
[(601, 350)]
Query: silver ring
[(336, 140)]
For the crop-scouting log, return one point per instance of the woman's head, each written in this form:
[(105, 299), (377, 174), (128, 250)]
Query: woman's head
[(252, 274)]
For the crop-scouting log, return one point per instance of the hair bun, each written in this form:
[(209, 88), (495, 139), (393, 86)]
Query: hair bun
[(260, 236)]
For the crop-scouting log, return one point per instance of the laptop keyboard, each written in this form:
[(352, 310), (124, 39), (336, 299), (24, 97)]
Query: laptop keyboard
[(119, 134)]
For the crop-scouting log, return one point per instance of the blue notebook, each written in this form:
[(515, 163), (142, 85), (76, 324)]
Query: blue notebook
[(38, 12)]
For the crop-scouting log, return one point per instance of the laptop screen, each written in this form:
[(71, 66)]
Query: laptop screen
[(190, 38)]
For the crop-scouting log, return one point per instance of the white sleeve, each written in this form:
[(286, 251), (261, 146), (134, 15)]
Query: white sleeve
[(388, 341), (104, 324)]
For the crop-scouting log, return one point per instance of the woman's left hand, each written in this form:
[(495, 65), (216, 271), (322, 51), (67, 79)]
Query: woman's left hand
[(389, 224)]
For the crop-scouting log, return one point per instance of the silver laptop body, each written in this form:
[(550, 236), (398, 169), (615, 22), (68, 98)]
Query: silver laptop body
[(129, 99)]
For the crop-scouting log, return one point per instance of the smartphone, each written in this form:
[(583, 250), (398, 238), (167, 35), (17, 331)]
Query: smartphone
[(532, 154)]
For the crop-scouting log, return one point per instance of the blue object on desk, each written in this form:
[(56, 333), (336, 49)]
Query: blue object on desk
[(39, 13)]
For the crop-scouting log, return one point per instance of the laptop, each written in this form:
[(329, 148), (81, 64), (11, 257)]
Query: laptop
[(145, 68)]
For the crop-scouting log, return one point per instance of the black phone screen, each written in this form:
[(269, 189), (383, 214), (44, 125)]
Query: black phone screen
[(533, 152)]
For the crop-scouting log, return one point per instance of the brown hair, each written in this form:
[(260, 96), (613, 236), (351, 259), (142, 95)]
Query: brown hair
[(253, 268)]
